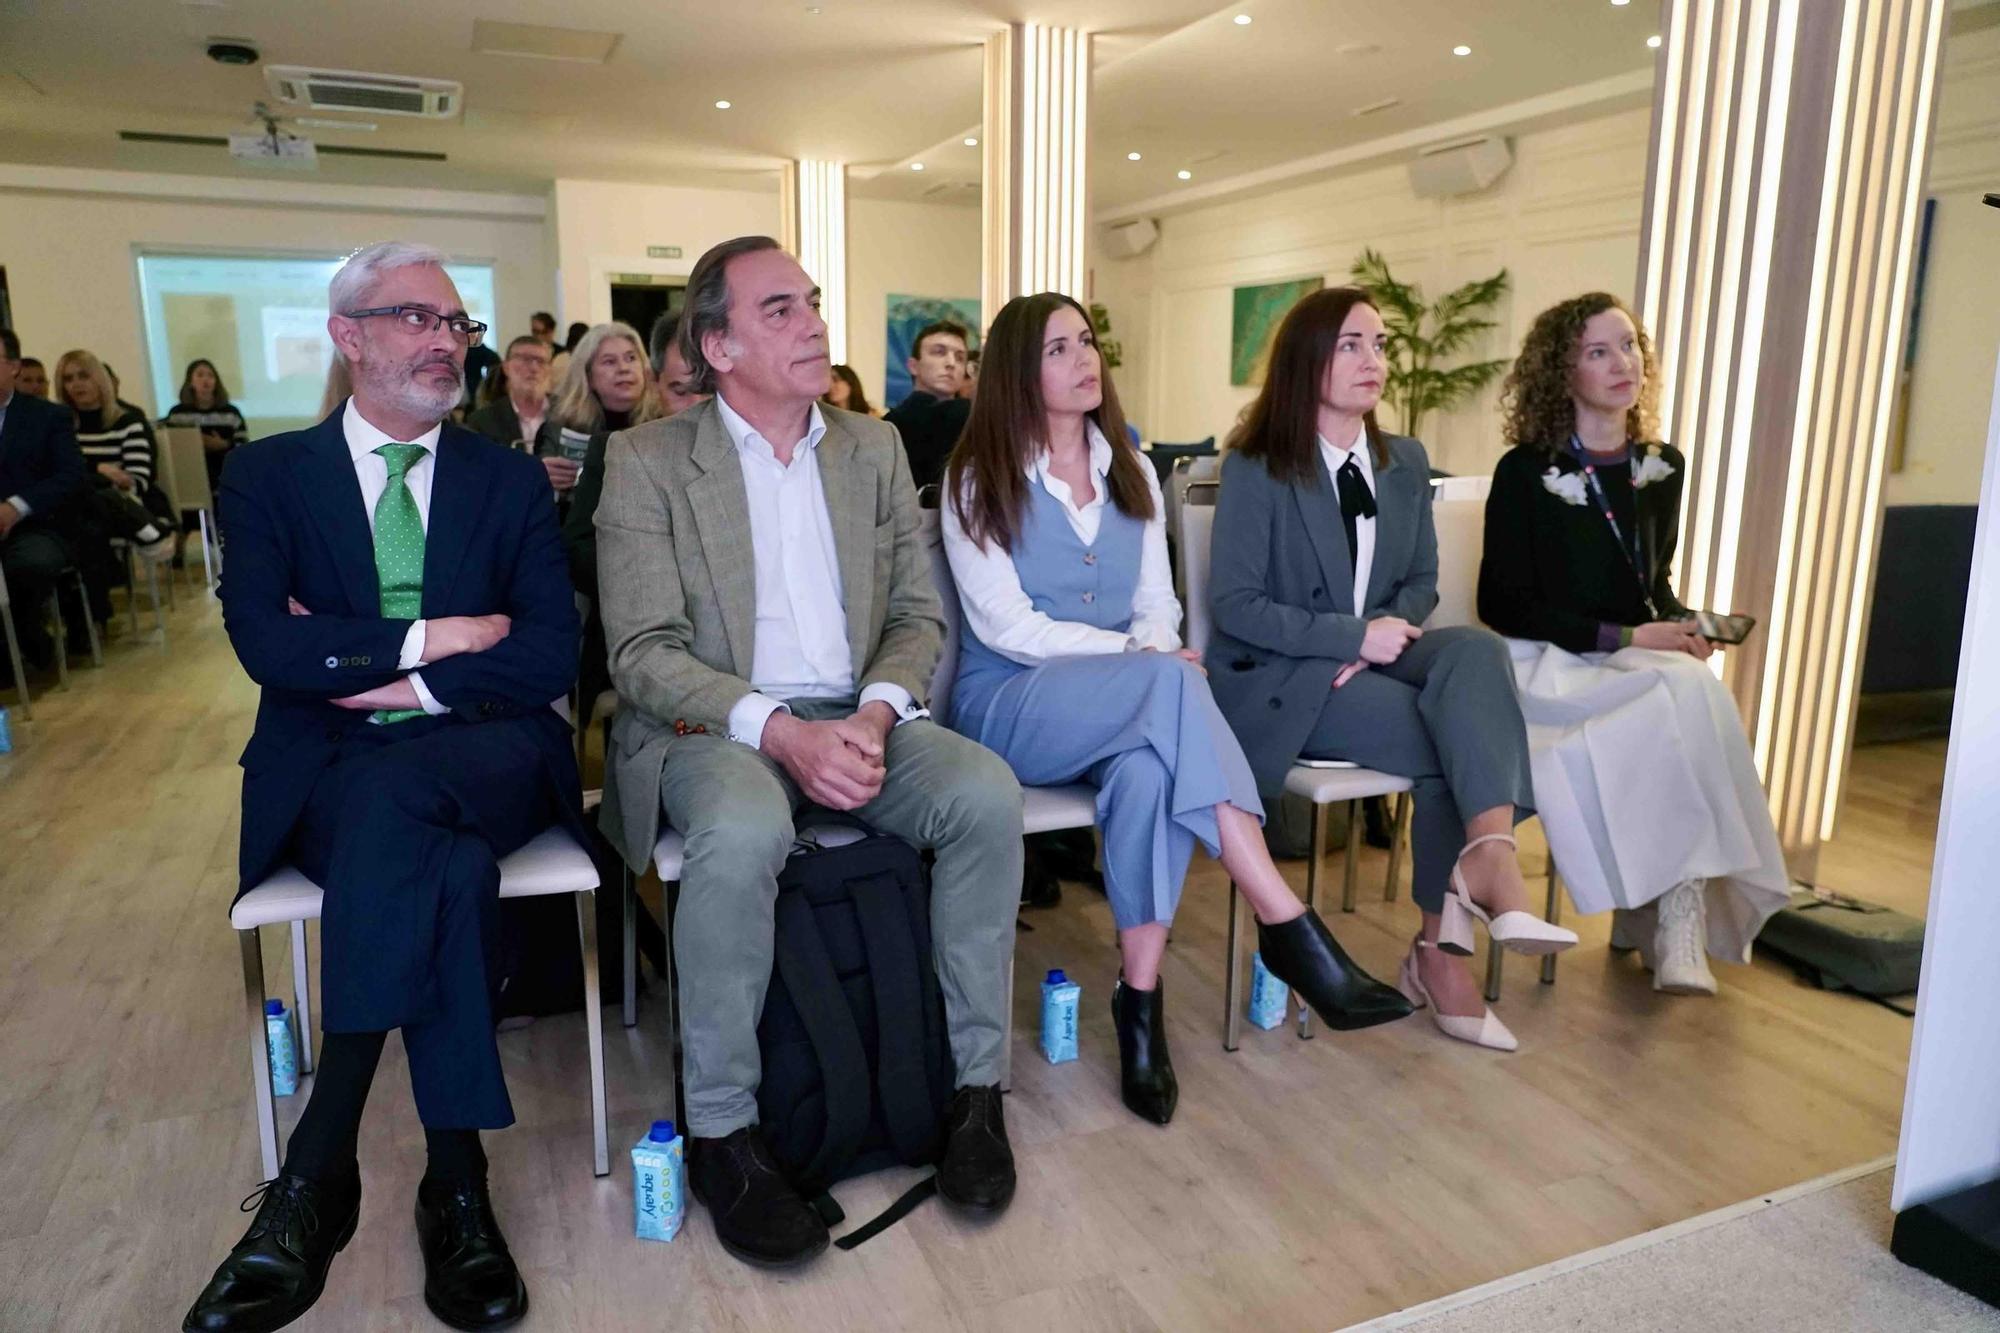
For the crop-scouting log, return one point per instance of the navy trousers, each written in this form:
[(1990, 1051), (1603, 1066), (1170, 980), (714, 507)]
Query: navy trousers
[(404, 832)]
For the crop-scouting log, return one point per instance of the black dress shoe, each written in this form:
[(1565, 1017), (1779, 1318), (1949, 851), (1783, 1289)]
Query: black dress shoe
[(1145, 1070), (978, 1167), (470, 1280), (1304, 955), (758, 1216), (278, 1269)]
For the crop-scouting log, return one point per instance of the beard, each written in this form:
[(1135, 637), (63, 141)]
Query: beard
[(398, 384)]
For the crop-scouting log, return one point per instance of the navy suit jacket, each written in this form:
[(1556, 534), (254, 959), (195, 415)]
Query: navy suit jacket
[(38, 457), (292, 511)]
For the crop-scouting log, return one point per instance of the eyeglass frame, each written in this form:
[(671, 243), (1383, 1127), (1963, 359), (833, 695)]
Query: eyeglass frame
[(472, 336)]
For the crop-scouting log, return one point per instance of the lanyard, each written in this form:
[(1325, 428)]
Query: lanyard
[(1634, 552)]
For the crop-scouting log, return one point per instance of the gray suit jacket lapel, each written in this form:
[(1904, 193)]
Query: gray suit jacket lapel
[(722, 513), (1394, 512), (848, 487), (1319, 507)]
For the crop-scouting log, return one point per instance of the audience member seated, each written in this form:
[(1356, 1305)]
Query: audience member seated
[(1071, 668), (559, 365), (1324, 569), (606, 388), (670, 368), (542, 328), (1647, 787), (33, 378), (514, 416), (118, 448), (404, 744), (970, 386), (844, 391), (932, 417), (204, 406), (759, 511), (42, 488)]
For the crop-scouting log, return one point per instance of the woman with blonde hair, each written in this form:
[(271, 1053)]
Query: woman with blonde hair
[(1643, 776)]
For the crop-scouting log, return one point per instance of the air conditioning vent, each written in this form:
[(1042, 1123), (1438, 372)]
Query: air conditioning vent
[(378, 94)]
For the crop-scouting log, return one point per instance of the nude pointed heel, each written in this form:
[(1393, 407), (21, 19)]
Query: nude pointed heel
[(1523, 932), (1486, 1030)]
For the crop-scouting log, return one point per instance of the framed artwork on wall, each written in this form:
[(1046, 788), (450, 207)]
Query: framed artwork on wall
[(1254, 316), (908, 315)]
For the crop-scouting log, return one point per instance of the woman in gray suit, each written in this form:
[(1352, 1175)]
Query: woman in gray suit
[(1324, 568)]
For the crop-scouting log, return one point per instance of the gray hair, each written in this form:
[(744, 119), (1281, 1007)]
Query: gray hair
[(357, 277), (708, 305)]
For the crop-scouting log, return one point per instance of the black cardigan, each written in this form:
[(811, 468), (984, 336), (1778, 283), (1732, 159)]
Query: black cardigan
[(1552, 570)]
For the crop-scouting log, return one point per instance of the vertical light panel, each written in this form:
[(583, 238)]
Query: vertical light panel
[(813, 197), (1789, 144), (1036, 195)]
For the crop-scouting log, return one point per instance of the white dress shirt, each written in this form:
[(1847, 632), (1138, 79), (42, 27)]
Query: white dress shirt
[(998, 610), (1364, 528), (372, 471), (801, 647)]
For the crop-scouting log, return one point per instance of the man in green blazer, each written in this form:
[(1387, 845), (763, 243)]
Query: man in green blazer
[(772, 629)]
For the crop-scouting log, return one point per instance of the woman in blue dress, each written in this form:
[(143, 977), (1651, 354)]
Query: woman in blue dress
[(1071, 668)]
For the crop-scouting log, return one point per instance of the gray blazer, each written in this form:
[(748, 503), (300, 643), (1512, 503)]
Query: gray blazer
[(1281, 589), (677, 588)]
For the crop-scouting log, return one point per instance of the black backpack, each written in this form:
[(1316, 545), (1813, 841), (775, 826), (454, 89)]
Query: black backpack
[(857, 1067)]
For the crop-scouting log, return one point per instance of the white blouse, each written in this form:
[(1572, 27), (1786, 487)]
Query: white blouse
[(998, 610)]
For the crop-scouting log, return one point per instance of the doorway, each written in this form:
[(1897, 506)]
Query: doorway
[(640, 303)]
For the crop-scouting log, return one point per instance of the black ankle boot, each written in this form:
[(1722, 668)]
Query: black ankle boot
[(1304, 955), (1145, 1070)]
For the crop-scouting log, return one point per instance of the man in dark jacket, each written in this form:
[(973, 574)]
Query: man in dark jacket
[(42, 480), (932, 417)]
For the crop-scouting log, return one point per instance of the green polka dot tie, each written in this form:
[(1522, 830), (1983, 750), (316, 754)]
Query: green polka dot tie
[(399, 550)]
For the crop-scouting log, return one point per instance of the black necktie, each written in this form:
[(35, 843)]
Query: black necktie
[(1356, 501)]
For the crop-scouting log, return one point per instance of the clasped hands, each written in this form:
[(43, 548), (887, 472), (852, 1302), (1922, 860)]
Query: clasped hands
[(1384, 642), (446, 636), (839, 763)]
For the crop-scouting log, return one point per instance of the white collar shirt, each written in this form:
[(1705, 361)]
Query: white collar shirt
[(1335, 458)]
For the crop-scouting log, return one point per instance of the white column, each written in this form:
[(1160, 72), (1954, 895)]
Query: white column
[(813, 208), (1036, 195)]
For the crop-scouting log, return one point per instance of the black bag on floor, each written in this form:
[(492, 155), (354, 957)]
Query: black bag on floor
[(1842, 943), (857, 1062)]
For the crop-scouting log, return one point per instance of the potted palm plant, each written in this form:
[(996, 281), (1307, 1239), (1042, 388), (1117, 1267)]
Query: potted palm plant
[(1424, 336)]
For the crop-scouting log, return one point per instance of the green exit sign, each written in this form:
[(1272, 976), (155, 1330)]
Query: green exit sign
[(663, 252)]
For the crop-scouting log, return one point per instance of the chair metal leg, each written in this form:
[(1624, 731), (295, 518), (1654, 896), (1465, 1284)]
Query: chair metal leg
[(89, 622), (209, 568), (172, 604), (131, 590), (593, 1018), (260, 1053), (62, 640), (14, 660), (1554, 918), (1353, 855), (153, 591), (629, 947), (1494, 954), (1399, 833), (1316, 848), (302, 995), (1007, 1036), (1232, 980)]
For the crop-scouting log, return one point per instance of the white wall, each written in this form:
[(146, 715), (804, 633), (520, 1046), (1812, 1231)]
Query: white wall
[(69, 239), (604, 227), (911, 250)]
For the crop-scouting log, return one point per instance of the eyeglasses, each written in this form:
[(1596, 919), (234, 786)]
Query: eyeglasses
[(416, 319)]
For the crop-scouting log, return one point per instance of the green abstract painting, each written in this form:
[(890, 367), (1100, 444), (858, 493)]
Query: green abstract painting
[(1253, 323)]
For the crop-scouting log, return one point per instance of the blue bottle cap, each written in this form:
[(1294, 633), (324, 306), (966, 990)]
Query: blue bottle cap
[(274, 1008), (662, 1131), (1055, 977)]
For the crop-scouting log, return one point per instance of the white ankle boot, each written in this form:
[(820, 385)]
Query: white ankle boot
[(1680, 942)]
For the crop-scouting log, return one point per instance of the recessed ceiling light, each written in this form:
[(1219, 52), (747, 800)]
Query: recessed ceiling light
[(1620, 4), (1654, 41), (1131, 157), (1461, 50), (916, 166), (814, 9), (1185, 175), (971, 142), (722, 105), (1242, 20)]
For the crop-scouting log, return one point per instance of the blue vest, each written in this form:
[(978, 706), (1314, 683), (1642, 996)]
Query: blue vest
[(1064, 580)]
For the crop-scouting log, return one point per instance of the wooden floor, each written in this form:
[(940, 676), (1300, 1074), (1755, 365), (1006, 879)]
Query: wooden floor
[(1302, 1185)]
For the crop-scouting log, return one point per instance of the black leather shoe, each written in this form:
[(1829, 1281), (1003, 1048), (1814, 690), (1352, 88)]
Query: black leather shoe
[(278, 1269), (470, 1280), (1145, 1070), (978, 1167), (758, 1216), (1304, 955)]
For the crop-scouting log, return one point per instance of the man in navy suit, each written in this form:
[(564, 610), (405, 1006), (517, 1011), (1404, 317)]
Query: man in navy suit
[(42, 479), (397, 587)]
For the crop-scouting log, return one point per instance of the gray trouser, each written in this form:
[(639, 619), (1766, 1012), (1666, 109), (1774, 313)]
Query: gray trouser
[(735, 807), (1444, 715)]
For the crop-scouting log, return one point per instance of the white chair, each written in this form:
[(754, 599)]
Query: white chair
[(1320, 784), (1187, 471), (551, 862), (186, 462), (1463, 488), (69, 574)]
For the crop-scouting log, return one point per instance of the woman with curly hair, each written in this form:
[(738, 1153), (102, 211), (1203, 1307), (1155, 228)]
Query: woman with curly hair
[(1643, 776)]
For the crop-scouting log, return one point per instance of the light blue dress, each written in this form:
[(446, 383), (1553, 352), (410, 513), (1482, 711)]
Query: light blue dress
[(1140, 726)]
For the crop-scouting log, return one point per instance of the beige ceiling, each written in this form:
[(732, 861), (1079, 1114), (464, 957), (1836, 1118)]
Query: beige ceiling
[(878, 83)]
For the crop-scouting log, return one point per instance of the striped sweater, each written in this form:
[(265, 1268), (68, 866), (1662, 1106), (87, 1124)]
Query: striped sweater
[(126, 442)]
